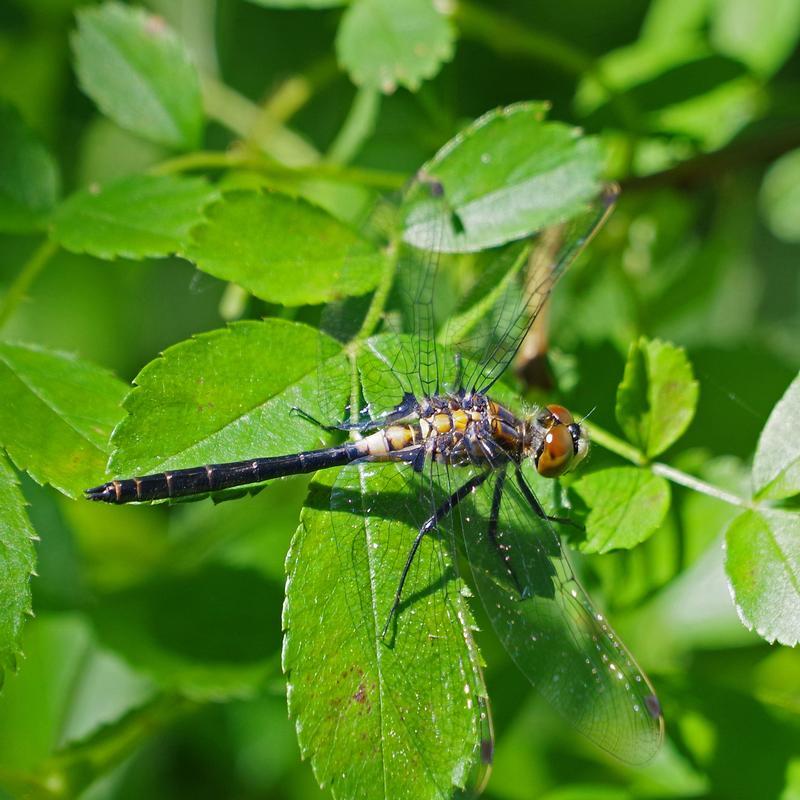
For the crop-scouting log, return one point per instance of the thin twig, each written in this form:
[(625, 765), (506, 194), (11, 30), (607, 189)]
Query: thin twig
[(32, 267)]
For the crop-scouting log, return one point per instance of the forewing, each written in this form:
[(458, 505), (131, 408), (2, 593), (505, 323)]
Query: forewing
[(523, 292), (549, 626)]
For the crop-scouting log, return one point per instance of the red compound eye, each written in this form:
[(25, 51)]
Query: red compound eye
[(557, 451), (561, 414)]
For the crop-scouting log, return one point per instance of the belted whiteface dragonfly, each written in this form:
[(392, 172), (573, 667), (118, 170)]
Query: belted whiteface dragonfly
[(442, 452)]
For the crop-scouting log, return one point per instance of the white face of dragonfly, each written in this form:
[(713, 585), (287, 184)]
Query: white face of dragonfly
[(564, 443)]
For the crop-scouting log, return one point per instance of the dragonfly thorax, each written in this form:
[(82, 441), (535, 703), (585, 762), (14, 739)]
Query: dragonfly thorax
[(474, 429)]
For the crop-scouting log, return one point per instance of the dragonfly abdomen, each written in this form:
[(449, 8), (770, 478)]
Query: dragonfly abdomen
[(214, 477)]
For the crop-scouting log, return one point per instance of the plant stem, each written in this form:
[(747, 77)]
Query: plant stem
[(251, 123), (297, 90), (690, 482), (375, 310), (242, 158), (357, 128), (612, 443), (701, 170), (634, 455), (32, 267), (371, 320)]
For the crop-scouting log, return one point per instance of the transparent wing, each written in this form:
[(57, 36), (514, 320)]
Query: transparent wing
[(548, 624), (510, 288), (525, 291), (427, 668)]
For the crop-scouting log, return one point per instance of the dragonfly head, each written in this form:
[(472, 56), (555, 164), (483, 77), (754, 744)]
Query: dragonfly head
[(564, 443)]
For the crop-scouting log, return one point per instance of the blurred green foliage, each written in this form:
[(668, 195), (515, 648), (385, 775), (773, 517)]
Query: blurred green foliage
[(129, 133)]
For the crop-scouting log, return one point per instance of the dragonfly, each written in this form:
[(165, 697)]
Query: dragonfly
[(436, 446)]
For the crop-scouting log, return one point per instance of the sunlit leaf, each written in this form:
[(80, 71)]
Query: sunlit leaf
[(17, 561), (383, 43), (507, 175), (657, 397), (228, 395), (626, 505), (29, 177), (139, 73), (762, 559), (56, 415), (386, 718), (284, 249), (776, 469), (136, 217)]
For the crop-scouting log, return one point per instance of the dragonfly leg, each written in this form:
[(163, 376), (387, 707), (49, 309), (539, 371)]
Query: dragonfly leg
[(429, 524), (313, 420), (537, 506), (405, 407), (494, 519)]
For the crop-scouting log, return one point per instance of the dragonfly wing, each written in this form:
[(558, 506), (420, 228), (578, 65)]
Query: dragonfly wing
[(549, 626), (525, 292)]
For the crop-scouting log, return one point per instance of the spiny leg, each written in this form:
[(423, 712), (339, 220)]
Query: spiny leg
[(494, 520), (405, 407), (537, 506), (429, 524)]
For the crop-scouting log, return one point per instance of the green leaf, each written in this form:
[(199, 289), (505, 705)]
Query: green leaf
[(227, 395), (139, 73), (284, 249), (395, 718), (56, 415), (506, 176), (29, 178), (626, 506), (210, 634), (17, 562), (138, 217), (657, 397), (776, 468), (762, 559), (762, 35), (383, 43), (780, 197)]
